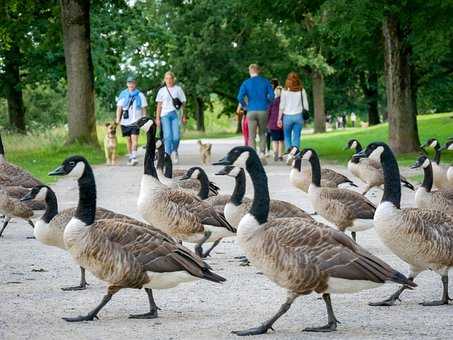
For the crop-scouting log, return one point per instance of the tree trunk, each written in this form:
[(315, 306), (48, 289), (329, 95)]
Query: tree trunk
[(75, 17), (13, 88), (402, 108), (199, 113), (318, 101), (369, 85)]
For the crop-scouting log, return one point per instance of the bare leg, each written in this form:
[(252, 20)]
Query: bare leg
[(152, 314), (5, 223), (215, 244), (129, 145), (199, 246), (262, 329), (83, 283), (332, 320), (445, 298), (134, 142)]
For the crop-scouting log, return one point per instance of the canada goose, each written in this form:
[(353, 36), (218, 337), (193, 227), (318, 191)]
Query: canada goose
[(368, 170), (19, 192), (449, 146), (423, 238), (49, 229), (346, 209), (199, 174), (160, 157), (122, 254), (238, 206), (176, 212), (11, 207), (425, 198), (440, 180), (12, 174), (302, 255)]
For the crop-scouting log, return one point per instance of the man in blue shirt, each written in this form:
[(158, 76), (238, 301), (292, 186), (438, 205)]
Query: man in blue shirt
[(259, 93)]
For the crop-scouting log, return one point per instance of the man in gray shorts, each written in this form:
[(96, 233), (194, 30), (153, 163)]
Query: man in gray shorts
[(259, 93)]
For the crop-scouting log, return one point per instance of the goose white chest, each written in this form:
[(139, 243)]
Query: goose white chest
[(47, 235), (233, 213), (73, 236)]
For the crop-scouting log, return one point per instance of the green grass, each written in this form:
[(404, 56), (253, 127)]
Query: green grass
[(330, 145)]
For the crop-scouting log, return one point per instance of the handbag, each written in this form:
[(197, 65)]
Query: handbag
[(177, 103), (305, 113)]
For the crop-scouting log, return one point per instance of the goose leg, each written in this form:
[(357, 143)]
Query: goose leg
[(263, 328), (93, 314), (83, 283), (5, 223), (152, 314), (394, 297), (199, 246), (354, 236), (445, 298), (332, 320), (215, 244)]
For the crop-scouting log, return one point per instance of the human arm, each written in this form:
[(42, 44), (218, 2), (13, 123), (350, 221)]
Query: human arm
[(281, 109), (119, 113), (241, 96), (183, 99), (158, 112)]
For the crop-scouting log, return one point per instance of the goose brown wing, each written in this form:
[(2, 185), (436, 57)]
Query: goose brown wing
[(279, 208), (334, 176), (350, 202)]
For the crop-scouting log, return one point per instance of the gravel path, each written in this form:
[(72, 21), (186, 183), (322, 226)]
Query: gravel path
[(31, 275)]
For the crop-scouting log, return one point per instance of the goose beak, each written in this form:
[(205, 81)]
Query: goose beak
[(27, 197), (358, 155), (423, 145), (223, 161), (222, 172), (58, 171), (184, 177), (416, 165)]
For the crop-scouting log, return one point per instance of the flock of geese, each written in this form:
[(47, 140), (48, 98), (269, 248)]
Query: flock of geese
[(289, 246)]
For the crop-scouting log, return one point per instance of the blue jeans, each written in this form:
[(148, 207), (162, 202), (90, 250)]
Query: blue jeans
[(292, 128), (170, 127)]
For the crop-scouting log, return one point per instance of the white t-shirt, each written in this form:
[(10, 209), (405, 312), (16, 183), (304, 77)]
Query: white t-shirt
[(134, 113), (164, 98), (291, 102)]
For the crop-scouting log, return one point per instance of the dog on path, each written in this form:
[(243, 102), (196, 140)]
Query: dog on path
[(110, 143), (205, 152)]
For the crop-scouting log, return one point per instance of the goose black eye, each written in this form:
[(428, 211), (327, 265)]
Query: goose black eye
[(72, 163)]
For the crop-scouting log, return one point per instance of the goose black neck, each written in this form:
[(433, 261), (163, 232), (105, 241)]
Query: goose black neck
[(51, 206), (204, 184), (168, 166), (86, 209), (358, 147), (160, 158), (2, 150), (298, 163), (150, 153), (315, 170), (428, 178), (392, 185), (437, 155), (260, 205), (239, 188)]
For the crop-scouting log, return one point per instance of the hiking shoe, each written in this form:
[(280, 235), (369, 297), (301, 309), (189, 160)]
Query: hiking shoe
[(275, 157)]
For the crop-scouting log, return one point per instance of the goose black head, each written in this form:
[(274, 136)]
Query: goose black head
[(307, 154), (422, 161), (193, 173), (238, 156), (37, 193), (73, 166), (431, 143), (352, 144), (145, 123), (373, 151), (229, 170)]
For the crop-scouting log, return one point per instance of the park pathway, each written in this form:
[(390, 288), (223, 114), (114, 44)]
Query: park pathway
[(31, 274)]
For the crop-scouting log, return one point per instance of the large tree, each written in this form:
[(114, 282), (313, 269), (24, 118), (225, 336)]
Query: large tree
[(75, 18)]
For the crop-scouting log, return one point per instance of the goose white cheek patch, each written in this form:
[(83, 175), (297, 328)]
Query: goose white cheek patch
[(158, 143), (433, 144), (426, 163), (242, 159), (353, 145), (147, 126), (376, 154), (77, 171), (195, 174), (307, 155), (450, 147), (41, 194), (234, 172)]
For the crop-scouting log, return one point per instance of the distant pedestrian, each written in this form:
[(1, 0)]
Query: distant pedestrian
[(242, 116), (353, 119), (293, 102), (259, 94), (170, 100), (130, 107), (275, 131)]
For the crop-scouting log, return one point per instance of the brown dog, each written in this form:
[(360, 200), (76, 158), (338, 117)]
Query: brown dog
[(110, 143), (205, 152)]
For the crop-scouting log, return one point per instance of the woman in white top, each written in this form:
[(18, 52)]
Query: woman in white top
[(166, 113), (293, 101)]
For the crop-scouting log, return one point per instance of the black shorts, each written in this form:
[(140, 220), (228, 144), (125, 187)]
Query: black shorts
[(130, 130), (276, 135)]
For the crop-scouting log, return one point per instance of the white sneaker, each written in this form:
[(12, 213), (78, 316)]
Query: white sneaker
[(175, 157), (134, 161)]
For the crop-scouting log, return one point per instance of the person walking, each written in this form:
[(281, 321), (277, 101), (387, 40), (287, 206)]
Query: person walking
[(130, 107), (259, 94), (353, 118), (242, 116), (170, 99), (275, 132), (293, 101)]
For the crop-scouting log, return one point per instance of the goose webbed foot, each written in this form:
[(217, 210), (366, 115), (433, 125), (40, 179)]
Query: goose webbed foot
[(253, 331), (93, 314), (330, 327), (391, 300), (435, 303), (332, 320), (82, 285), (152, 314)]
